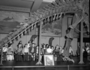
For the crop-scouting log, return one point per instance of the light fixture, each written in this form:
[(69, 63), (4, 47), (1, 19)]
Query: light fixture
[(49, 1)]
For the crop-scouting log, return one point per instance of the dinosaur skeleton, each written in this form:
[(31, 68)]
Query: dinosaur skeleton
[(20, 30)]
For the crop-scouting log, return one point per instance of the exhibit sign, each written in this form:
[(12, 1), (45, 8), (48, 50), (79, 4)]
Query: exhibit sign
[(49, 60)]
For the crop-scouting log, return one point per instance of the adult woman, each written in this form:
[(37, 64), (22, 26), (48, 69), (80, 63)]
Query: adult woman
[(56, 52), (33, 51), (25, 52), (19, 56), (4, 50), (49, 50), (10, 54)]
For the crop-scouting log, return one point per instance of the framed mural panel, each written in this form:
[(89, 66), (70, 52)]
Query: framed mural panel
[(11, 19), (49, 60), (13, 16), (52, 29), (69, 21)]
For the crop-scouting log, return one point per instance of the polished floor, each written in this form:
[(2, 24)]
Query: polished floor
[(31, 65), (62, 67)]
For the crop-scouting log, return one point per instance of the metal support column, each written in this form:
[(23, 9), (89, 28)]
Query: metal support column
[(81, 44), (1, 63), (40, 30)]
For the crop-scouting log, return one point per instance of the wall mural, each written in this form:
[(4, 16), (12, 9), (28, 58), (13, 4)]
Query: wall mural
[(9, 20), (13, 16), (6, 27), (52, 29)]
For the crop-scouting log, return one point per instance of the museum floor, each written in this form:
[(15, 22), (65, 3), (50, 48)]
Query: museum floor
[(31, 65)]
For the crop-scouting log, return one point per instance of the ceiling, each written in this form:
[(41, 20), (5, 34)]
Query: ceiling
[(17, 3), (31, 4), (8, 24)]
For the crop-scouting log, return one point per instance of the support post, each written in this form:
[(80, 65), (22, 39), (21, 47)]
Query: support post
[(1, 63), (81, 44), (40, 30)]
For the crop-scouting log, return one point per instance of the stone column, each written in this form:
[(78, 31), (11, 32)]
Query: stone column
[(81, 44)]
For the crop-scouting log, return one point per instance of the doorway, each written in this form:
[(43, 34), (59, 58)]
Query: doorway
[(69, 21)]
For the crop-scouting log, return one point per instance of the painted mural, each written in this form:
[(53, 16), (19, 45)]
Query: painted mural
[(9, 20), (52, 29), (6, 27), (13, 16)]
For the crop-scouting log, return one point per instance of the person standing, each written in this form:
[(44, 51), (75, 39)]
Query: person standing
[(33, 51), (25, 52), (10, 53), (4, 50), (19, 56), (85, 55)]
